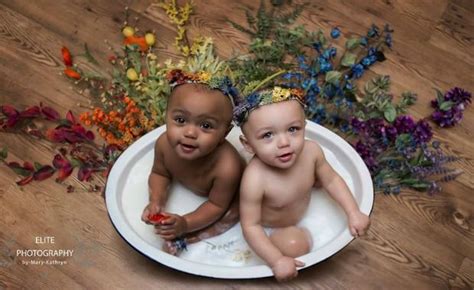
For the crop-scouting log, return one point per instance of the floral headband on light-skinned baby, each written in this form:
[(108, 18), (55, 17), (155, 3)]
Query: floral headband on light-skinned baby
[(265, 97), (222, 83)]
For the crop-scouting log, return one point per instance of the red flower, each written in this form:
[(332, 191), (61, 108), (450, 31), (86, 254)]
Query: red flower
[(49, 113), (70, 117), (9, 111), (55, 135), (25, 180), (66, 56), (43, 173), (84, 174), (60, 162), (64, 172), (72, 73), (31, 112)]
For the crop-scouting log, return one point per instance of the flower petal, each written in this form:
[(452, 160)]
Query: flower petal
[(43, 173), (25, 180), (50, 113)]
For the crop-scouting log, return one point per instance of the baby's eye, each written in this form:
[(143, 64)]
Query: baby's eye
[(179, 120), (267, 135), (293, 129), (206, 125)]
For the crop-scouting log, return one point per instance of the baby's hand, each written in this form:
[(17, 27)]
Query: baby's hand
[(285, 268), (359, 223), (171, 227), (150, 210)]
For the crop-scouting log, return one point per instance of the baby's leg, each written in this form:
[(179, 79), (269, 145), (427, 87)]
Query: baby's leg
[(292, 241), (228, 220)]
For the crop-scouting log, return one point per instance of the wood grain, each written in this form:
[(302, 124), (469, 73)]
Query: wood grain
[(417, 241)]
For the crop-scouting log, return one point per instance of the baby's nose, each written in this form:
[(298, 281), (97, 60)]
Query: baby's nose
[(283, 141), (190, 131)]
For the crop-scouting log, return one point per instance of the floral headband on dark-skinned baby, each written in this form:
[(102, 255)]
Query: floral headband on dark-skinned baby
[(265, 97), (222, 83)]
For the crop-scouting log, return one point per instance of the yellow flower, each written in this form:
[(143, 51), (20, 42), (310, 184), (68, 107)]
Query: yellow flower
[(279, 94), (204, 76), (150, 39)]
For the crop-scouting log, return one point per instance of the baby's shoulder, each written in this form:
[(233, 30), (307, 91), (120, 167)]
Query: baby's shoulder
[(229, 161), (312, 148)]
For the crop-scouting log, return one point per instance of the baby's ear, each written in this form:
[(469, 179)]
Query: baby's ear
[(246, 144)]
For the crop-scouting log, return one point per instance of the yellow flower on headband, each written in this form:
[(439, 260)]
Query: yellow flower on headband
[(204, 76), (280, 94)]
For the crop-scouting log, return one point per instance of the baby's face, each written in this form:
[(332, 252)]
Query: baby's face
[(197, 120), (275, 133)]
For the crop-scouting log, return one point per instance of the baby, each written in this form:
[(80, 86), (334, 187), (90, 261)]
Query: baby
[(276, 185), (194, 152)]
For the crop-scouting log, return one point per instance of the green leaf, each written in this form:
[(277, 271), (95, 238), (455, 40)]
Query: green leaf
[(390, 113), (348, 59), (445, 106), (4, 153), (75, 162), (21, 171), (439, 96), (352, 43), (333, 77), (37, 166)]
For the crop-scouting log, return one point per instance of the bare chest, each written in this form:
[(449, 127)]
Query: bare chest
[(283, 190), (198, 179)]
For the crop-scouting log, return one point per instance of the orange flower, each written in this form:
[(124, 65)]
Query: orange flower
[(72, 73), (140, 41), (66, 56)]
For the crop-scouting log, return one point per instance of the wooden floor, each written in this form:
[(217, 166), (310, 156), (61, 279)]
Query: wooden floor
[(416, 241)]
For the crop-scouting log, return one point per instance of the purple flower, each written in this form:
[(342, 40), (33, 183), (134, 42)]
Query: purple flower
[(448, 118), (458, 95), (404, 124), (392, 132), (422, 133)]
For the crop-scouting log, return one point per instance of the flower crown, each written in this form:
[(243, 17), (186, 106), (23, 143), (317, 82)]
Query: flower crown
[(222, 83), (265, 97)]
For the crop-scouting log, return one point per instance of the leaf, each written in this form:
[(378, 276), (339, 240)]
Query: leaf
[(348, 59), (333, 77), (352, 43), (439, 96), (88, 55), (4, 153), (446, 106), (390, 113), (18, 169), (38, 166)]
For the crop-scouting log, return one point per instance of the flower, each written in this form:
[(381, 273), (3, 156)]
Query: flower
[(335, 32), (357, 71), (449, 107), (404, 124), (422, 132), (458, 95)]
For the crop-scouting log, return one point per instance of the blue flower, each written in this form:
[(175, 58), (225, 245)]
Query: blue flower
[(335, 32), (357, 70), (253, 99), (324, 65), (373, 31), (317, 46)]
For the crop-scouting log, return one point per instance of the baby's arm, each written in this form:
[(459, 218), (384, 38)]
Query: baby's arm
[(158, 182), (251, 198), (224, 187), (340, 192)]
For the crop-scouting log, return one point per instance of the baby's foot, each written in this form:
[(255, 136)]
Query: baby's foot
[(174, 247)]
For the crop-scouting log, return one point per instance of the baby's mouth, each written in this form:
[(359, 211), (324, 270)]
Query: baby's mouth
[(285, 157), (187, 148)]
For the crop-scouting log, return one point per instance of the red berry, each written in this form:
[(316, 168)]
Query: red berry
[(156, 217)]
